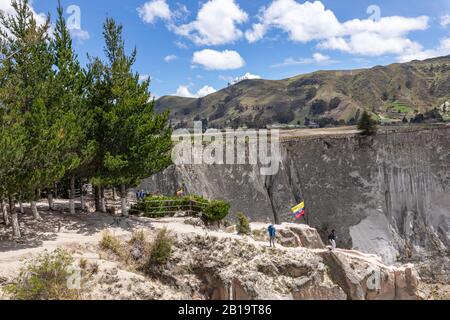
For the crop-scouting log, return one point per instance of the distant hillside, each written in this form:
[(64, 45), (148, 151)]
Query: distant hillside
[(389, 93)]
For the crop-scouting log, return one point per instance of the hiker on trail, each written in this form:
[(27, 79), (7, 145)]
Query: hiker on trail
[(272, 234), (332, 240)]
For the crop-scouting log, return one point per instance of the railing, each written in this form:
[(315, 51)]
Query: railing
[(171, 207)]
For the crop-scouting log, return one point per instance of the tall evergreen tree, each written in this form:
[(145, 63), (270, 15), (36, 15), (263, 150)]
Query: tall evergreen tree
[(135, 142), (70, 100), (367, 125), (26, 68), (37, 132)]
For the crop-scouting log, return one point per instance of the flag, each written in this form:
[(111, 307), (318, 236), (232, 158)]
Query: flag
[(300, 214), (299, 210)]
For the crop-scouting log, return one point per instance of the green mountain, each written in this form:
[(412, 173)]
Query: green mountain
[(389, 93)]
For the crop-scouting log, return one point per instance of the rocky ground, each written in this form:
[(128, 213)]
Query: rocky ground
[(211, 264)]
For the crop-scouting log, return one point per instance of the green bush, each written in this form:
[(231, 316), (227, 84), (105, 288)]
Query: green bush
[(243, 225), (45, 278), (161, 250), (216, 211), (159, 207)]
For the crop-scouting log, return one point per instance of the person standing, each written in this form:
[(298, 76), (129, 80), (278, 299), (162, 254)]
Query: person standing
[(272, 235), (332, 239)]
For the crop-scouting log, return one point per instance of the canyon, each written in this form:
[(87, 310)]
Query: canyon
[(387, 194)]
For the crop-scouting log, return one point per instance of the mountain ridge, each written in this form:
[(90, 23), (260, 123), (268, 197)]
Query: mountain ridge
[(389, 93)]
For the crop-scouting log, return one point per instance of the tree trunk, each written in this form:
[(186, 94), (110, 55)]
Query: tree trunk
[(97, 198), (35, 211), (55, 188), (123, 200), (72, 196), (5, 214), (102, 200), (51, 206), (14, 219), (114, 194), (21, 207), (82, 200)]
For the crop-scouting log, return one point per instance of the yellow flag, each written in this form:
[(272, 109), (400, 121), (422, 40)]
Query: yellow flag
[(298, 207)]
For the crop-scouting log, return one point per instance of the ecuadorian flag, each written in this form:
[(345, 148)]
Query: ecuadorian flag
[(299, 210)]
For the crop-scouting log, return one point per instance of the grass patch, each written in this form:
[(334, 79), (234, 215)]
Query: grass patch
[(399, 108), (111, 243), (46, 277)]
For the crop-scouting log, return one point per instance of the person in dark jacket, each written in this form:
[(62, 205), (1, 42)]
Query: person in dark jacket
[(332, 239), (272, 235)]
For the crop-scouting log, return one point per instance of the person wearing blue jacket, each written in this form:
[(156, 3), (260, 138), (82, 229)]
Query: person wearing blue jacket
[(272, 235)]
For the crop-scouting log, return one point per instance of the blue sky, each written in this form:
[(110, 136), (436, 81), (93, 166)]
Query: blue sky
[(195, 47)]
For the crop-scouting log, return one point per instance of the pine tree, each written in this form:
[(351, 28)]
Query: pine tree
[(37, 131), (26, 69), (367, 125), (69, 101), (134, 141)]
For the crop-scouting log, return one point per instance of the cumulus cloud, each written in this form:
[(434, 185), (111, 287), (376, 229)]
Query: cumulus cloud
[(143, 77), (183, 91), (218, 60), (317, 58), (313, 22), (153, 10), (216, 24), (445, 20), (80, 35), (170, 58), (180, 45), (246, 76), (5, 6), (442, 50)]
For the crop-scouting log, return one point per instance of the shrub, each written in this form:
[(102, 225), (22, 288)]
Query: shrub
[(45, 278), (318, 107), (161, 250), (216, 211), (243, 225), (111, 243), (159, 207), (367, 125), (138, 238)]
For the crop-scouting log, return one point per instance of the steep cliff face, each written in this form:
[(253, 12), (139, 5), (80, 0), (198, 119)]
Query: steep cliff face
[(387, 195)]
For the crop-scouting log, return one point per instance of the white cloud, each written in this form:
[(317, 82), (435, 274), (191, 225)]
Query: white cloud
[(5, 6), (442, 50), (246, 76), (180, 44), (170, 58), (218, 60), (313, 22), (153, 10), (216, 23), (317, 58), (79, 35), (445, 20), (206, 90), (183, 91), (143, 77)]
